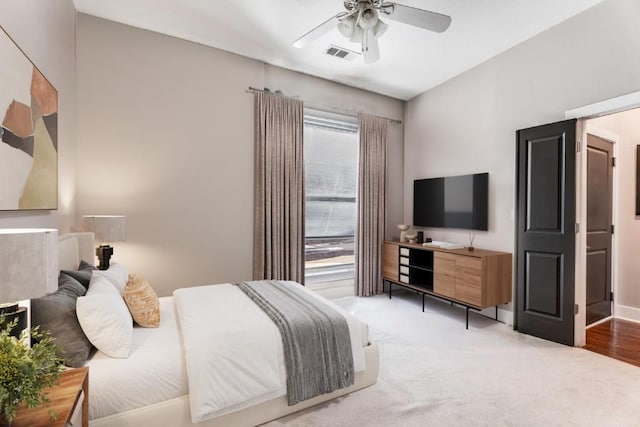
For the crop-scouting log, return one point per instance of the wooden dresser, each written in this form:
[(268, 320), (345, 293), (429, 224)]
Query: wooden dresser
[(476, 279)]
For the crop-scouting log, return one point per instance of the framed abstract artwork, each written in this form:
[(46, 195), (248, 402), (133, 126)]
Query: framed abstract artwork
[(28, 133)]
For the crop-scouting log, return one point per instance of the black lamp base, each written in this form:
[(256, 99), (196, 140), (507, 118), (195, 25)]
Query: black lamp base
[(12, 312), (104, 252)]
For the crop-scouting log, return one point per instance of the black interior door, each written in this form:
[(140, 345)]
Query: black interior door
[(545, 231), (599, 207)]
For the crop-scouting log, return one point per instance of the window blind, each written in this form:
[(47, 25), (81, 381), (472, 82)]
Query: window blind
[(333, 121)]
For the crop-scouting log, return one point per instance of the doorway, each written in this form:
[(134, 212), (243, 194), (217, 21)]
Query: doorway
[(624, 269), (607, 119)]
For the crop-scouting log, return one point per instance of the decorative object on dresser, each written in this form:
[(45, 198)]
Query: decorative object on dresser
[(403, 232), (475, 280), (68, 400), (28, 269), (107, 229), (28, 133)]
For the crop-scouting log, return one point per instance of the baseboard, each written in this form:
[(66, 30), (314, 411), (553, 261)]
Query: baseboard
[(627, 313), (504, 315)]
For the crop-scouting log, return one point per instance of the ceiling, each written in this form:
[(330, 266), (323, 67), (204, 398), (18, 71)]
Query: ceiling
[(412, 60)]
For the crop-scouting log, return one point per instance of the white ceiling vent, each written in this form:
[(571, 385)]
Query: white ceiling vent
[(341, 53)]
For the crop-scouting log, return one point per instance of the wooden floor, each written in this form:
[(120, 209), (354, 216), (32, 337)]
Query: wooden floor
[(616, 338)]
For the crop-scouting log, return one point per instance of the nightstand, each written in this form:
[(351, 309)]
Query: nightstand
[(72, 387)]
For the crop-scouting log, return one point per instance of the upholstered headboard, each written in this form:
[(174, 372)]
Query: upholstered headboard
[(74, 247)]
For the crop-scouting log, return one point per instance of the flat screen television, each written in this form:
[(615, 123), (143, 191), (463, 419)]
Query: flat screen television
[(452, 202)]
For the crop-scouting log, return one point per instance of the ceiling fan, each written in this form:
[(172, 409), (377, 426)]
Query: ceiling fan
[(361, 23)]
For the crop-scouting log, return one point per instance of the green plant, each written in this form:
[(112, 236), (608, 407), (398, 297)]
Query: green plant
[(25, 371)]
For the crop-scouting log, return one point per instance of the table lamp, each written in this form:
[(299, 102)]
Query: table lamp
[(28, 269), (107, 229)]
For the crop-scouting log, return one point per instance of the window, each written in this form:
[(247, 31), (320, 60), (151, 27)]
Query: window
[(331, 179)]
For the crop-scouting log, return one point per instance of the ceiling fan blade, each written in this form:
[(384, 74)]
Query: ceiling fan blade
[(420, 18), (318, 31)]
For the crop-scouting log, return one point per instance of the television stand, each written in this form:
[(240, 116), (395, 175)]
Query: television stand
[(475, 279)]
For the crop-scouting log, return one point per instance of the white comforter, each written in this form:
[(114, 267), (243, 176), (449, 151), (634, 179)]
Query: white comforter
[(233, 364), (154, 372)]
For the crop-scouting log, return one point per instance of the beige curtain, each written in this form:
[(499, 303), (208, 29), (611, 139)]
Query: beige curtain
[(278, 250), (372, 202)]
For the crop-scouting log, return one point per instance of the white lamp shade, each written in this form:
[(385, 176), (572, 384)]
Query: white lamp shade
[(28, 263), (107, 228)]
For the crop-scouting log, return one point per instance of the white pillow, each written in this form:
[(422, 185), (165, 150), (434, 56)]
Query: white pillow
[(105, 318), (117, 275)]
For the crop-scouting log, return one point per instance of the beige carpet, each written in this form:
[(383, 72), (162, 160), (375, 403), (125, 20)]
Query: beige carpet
[(433, 372)]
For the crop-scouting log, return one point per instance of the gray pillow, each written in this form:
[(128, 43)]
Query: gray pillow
[(82, 274), (56, 313), (69, 286)]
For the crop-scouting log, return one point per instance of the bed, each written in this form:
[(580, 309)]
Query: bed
[(151, 386)]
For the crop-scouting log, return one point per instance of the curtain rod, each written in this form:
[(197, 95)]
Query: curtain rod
[(256, 90), (266, 90)]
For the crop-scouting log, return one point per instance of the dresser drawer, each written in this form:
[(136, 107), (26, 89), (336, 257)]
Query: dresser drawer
[(469, 280)]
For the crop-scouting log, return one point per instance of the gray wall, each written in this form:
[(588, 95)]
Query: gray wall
[(468, 124), (45, 31), (165, 131)]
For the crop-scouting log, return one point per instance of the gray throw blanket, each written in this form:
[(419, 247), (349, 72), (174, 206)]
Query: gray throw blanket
[(317, 346)]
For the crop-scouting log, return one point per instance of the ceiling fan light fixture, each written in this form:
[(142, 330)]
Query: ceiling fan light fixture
[(379, 29), (367, 18), (347, 25), (357, 35), (360, 23)]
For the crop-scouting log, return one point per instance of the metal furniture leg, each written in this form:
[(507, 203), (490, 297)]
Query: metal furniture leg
[(467, 317)]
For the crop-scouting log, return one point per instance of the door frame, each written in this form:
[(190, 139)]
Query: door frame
[(583, 114)]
